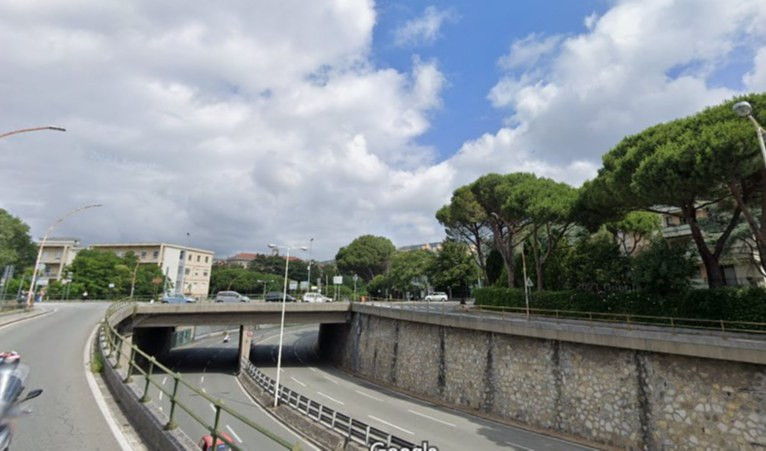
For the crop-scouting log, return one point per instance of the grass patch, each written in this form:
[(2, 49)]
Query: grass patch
[(96, 362)]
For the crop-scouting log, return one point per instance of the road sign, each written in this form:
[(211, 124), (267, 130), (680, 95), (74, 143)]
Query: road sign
[(293, 285), (337, 280)]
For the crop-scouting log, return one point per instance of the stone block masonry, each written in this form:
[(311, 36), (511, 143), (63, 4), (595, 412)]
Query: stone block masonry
[(627, 398)]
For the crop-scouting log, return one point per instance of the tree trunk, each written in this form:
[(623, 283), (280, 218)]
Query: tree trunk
[(712, 266), (538, 261)]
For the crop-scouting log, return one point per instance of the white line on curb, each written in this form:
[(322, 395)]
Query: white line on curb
[(369, 396), (116, 431), (431, 418), (331, 398), (234, 433), (392, 425)]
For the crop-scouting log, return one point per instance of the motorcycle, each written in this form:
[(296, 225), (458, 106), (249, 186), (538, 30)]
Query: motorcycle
[(12, 378)]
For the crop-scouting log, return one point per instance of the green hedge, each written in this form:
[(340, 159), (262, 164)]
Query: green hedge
[(729, 304)]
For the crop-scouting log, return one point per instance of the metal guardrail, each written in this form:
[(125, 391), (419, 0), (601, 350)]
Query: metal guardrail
[(631, 319), (113, 343), (355, 430)]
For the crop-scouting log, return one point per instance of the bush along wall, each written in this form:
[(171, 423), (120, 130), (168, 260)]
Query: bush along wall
[(729, 304)]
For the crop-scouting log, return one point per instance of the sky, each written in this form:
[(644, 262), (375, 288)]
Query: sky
[(253, 122)]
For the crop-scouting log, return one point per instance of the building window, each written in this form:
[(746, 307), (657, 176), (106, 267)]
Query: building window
[(156, 254), (186, 271), (206, 259), (204, 274), (198, 258), (190, 257), (143, 254)]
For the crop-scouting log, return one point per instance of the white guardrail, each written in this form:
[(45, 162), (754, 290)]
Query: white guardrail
[(355, 430)]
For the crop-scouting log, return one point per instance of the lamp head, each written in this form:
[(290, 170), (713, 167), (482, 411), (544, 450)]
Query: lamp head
[(273, 246), (742, 109), (304, 248)]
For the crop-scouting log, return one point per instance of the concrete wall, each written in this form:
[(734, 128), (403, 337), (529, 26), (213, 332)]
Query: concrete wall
[(628, 398)]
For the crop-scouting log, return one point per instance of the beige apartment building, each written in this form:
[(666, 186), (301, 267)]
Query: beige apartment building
[(57, 254), (187, 269)]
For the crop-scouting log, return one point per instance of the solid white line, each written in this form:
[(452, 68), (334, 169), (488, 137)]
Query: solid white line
[(234, 433), (296, 380), (212, 407), (330, 379), (116, 431), (11, 324), (331, 398), (392, 425), (369, 396), (313, 369), (161, 393), (431, 418), (164, 379)]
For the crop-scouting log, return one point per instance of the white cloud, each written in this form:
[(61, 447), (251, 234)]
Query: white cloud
[(755, 80), (424, 29), (528, 51)]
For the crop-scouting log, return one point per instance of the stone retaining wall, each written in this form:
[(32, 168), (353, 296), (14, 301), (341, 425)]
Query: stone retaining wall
[(618, 397)]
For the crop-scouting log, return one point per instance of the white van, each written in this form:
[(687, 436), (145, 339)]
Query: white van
[(315, 297)]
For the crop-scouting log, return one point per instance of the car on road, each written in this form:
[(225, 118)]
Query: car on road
[(206, 443), (276, 296), (177, 299), (436, 296), (230, 296), (315, 297)]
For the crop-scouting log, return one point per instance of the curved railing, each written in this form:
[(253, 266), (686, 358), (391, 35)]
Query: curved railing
[(115, 344)]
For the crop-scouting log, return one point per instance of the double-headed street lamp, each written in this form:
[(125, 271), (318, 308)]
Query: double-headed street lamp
[(35, 129), (31, 294), (744, 109), (282, 323)]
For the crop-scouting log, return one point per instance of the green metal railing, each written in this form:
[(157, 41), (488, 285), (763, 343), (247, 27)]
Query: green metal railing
[(115, 343), (631, 319)]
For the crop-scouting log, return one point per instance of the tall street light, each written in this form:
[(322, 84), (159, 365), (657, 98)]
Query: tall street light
[(35, 129), (744, 109), (31, 294), (308, 278), (282, 323)]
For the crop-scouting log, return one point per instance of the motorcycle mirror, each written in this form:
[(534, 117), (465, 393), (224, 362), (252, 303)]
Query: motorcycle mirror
[(33, 394)]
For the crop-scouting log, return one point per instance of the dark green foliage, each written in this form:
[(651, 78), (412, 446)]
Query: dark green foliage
[(94, 270), (596, 265), (453, 269), (16, 246), (728, 304), (366, 256), (495, 266), (275, 264), (663, 268)]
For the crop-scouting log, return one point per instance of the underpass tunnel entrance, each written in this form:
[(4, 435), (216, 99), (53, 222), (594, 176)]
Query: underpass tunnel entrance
[(299, 346)]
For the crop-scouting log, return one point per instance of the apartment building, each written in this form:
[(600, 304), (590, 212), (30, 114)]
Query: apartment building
[(57, 254), (187, 269)]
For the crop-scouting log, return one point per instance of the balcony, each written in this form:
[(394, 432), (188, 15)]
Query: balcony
[(676, 231)]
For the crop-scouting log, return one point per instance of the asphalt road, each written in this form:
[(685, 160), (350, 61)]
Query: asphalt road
[(65, 416), (211, 363)]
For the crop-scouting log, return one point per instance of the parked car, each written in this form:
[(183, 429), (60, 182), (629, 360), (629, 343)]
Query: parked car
[(230, 296), (177, 299), (315, 297), (276, 296), (436, 296), (206, 443)]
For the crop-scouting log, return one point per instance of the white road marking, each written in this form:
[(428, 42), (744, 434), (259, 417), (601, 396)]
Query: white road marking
[(116, 431), (202, 380), (212, 407), (296, 380), (369, 396), (330, 379), (164, 379), (161, 392), (203, 390), (233, 433), (313, 369), (431, 418), (392, 425), (331, 398)]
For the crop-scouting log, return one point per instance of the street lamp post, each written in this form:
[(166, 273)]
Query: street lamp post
[(31, 294), (744, 109), (35, 129), (282, 322), (308, 278)]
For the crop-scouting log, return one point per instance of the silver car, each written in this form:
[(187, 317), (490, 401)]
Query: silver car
[(230, 296)]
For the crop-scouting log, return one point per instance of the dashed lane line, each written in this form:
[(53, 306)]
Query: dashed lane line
[(236, 437), (299, 382), (431, 418), (331, 398), (390, 424), (330, 379), (369, 396)]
